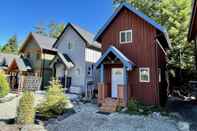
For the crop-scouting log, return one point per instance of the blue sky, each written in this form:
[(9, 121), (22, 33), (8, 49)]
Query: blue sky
[(20, 16)]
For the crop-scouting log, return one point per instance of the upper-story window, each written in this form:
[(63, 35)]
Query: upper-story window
[(126, 36), (70, 45)]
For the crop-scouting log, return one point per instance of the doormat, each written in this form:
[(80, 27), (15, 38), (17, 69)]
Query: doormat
[(103, 113)]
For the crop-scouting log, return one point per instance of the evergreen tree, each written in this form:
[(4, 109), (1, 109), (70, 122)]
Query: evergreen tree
[(11, 46), (55, 29)]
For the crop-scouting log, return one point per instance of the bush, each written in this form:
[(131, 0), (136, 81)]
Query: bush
[(132, 106), (26, 111), (55, 103), (4, 85)]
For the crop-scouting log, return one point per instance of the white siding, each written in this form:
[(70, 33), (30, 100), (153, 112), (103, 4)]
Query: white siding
[(91, 55), (77, 55)]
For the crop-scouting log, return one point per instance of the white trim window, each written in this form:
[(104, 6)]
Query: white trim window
[(144, 74), (125, 36), (159, 71)]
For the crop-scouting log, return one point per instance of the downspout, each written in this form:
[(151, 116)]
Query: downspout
[(157, 97)]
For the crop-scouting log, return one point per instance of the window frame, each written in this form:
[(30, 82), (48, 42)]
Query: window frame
[(140, 78), (126, 32)]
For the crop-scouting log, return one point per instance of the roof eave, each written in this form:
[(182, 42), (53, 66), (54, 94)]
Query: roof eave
[(132, 9)]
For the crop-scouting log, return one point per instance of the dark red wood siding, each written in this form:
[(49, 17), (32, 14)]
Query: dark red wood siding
[(142, 51)]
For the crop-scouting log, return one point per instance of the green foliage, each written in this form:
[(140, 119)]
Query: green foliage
[(52, 30), (136, 107), (4, 86), (132, 106), (11, 46), (26, 111), (175, 16), (56, 101), (55, 29)]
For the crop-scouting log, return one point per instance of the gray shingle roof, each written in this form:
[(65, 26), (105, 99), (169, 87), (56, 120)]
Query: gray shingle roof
[(23, 64), (7, 59), (66, 60), (43, 41), (89, 37)]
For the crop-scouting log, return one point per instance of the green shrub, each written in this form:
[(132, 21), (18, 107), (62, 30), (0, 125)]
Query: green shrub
[(4, 85), (56, 101), (132, 106), (26, 111)]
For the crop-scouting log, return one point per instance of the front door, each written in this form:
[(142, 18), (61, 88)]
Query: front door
[(117, 79)]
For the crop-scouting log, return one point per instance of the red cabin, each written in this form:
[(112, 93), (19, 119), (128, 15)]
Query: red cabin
[(133, 64)]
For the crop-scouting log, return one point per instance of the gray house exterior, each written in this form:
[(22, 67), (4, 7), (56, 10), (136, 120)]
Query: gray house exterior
[(77, 54), (37, 49)]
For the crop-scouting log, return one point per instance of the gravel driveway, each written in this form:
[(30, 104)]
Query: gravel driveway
[(86, 119), (186, 109)]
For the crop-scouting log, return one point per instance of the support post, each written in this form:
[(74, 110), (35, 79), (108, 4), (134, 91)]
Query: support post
[(102, 73), (126, 85)]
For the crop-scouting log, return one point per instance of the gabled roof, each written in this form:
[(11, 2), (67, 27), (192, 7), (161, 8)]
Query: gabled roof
[(84, 34), (44, 42), (128, 63), (6, 61), (22, 64), (66, 60), (138, 13), (193, 21)]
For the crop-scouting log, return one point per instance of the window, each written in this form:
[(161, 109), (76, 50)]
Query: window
[(77, 71), (144, 74), (70, 45), (125, 36), (159, 71)]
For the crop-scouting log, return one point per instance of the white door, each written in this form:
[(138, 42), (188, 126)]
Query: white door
[(117, 79)]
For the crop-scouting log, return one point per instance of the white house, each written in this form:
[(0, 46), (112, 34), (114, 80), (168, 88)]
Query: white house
[(77, 54)]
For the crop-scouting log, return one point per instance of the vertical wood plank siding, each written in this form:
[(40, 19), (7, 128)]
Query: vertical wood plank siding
[(142, 51)]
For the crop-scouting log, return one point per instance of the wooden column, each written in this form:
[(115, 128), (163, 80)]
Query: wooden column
[(102, 73), (126, 85)]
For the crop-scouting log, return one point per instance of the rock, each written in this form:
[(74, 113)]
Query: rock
[(141, 110), (33, 128), (9, 128), (183, 126), (156, 115), (176, 115), (2, 124)]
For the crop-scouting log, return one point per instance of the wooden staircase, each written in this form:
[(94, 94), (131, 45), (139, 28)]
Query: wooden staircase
[(109, 105)]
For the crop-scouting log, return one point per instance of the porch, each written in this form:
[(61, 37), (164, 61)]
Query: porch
[(113, 90)]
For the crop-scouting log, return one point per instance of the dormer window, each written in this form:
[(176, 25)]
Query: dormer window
[(126, 36)]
